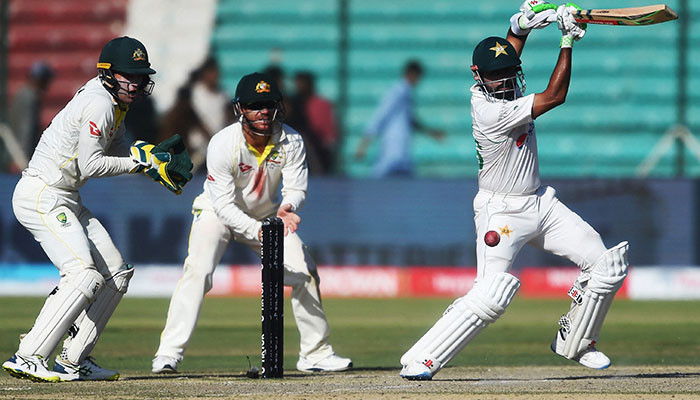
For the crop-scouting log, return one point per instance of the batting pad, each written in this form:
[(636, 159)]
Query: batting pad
[(585, 319), (463, 320), (93, 319), (64, 304)]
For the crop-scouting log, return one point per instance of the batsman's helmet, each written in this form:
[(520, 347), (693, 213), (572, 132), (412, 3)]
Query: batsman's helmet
[(493, 57), (258, 88), (124, 55)]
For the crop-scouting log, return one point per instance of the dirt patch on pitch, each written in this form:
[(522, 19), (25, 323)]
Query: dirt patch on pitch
[(539, 383)]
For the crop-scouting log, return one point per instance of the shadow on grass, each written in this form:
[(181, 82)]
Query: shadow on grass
[(582, 377), (216, 376)]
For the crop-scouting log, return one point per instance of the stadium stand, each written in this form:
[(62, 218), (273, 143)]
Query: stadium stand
[(621, 102), (623, 95), (68, 34)]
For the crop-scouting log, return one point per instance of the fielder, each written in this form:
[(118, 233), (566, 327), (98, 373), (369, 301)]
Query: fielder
[(246, 162), (85, 140), (511, 208)]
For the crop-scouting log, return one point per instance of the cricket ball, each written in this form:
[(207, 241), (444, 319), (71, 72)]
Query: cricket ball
[(492, 238)]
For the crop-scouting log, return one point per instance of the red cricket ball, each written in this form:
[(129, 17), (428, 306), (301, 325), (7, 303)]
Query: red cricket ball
[(492, 238)]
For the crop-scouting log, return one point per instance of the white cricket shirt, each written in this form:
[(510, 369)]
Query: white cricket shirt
[(506, 148), (82, 141), (242, 184)]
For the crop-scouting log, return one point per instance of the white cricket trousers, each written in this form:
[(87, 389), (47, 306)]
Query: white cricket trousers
[(70, 235), (209, 238), (540, 220), (75, 241)]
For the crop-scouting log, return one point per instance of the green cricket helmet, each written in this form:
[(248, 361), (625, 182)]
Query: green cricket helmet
[(258, 90), (257, 87), (124, 55), (496, 69)]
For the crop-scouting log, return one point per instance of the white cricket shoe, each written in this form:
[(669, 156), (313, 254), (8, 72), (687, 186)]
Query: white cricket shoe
[(332, 363), (164, 365), (416, 371), (590, 357), (30, 367), (88, 370), (593, 358)]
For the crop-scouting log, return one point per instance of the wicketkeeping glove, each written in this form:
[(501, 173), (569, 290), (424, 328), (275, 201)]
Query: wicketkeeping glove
[(172, 170), (534, 14)]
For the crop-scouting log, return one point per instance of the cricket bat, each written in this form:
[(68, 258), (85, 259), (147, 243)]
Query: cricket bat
[(633, 16)]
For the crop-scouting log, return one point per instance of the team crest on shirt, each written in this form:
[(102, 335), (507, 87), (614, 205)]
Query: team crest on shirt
[(523, 138), (274, 159), (63, 219)]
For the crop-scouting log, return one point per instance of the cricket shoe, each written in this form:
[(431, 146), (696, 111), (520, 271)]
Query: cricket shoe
[(87, 370), (332, 363), (416, 371), (164, 365), (30, 367), (590, 357)]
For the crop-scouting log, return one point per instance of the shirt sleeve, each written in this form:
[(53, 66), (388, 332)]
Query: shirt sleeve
[(93, 160), (220, 188), (503, 117), (295, 174)]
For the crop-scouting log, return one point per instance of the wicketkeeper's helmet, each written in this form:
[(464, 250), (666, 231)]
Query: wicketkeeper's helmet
[(493, 56), (124, 55)]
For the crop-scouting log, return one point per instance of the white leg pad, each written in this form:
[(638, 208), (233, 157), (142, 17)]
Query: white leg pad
[(64, 304), (585, 318), (92, 321), (463, 320)]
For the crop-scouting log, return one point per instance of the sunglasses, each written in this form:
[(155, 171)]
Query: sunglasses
[(260, 105)]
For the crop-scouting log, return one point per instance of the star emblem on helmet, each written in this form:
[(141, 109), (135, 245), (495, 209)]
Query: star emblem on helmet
[(139, 55), (262, 87), (499, 49)]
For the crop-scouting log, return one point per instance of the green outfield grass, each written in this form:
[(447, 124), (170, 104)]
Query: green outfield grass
[(375, 332)]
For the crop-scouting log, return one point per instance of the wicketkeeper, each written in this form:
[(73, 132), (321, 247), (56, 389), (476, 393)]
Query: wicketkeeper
[(512, 208), (86, 140), (246, 162)]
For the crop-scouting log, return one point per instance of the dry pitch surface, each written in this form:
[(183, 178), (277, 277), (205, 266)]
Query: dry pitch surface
[(452, 383)]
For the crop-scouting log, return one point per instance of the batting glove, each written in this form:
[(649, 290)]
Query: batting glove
[(570, 29), (534, 14)]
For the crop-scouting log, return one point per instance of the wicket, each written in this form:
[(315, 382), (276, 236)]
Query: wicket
[(272, 298)]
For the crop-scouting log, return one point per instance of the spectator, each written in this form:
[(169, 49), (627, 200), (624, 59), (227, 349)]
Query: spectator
[(313, 158), (25, 110), (395, 120), (181, 118), (276, 73), (313, 116), (211, 104)]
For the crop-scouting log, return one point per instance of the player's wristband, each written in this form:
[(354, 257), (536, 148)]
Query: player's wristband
[(566, 42)]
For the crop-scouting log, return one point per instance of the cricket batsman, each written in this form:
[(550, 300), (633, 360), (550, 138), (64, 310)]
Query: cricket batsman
[(86, 140), (511, 208), (246, 162)]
